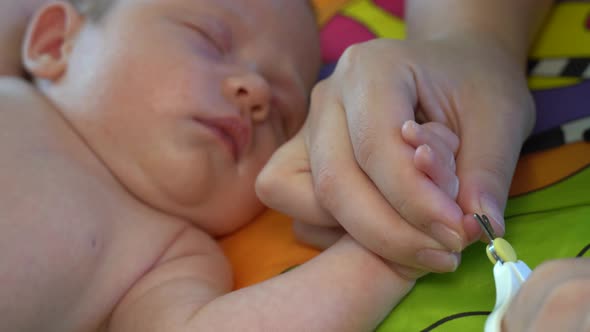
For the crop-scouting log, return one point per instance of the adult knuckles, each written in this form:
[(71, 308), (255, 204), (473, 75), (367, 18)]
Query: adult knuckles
[(327, 183), (365, 147), (318, 92), (354, 58), (351, 57)]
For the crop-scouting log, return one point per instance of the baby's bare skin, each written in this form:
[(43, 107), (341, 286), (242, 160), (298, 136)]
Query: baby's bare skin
[(75, 259), (70, 254), (120, 164)]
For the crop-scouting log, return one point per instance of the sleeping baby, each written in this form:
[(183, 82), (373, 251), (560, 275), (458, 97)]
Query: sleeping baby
[(137, 145)]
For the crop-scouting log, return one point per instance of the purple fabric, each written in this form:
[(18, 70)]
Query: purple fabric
[(560, 105)]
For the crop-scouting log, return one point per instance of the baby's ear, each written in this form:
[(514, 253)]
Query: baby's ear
[(49, 40)]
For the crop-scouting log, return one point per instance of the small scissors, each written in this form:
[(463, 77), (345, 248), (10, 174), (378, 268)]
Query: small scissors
[(509, 273)]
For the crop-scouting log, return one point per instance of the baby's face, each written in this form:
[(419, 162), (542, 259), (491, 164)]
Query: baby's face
[(185, 100)]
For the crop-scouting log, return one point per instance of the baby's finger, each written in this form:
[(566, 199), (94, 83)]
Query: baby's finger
[(444, 133), (417, 135), (285, 184), (432, 164)]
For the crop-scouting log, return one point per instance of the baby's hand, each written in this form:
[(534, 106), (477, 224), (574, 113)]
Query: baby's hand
[(426, 157), (436, 147)]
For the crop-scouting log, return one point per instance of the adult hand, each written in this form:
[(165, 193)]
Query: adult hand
[(349, 165), (556, 297)]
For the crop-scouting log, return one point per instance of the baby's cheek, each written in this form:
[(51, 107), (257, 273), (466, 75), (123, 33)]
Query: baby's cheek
[(267, 141)]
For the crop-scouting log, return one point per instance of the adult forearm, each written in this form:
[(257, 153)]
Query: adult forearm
[(346, 288), (512, 24)]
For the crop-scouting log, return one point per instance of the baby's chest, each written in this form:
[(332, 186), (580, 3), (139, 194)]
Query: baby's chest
[(70, 246), (72, 242), (70, 269)]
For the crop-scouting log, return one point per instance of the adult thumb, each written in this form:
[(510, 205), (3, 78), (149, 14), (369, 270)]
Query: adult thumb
[(489, 151)]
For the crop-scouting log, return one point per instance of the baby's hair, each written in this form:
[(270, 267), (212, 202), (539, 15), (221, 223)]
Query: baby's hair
[(93, 9)]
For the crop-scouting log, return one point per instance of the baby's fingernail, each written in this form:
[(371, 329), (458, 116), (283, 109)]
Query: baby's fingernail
[(424, 149), (452, 162), (447, 237), (410, 125), (492, 211), (454, 191), (437, 260)]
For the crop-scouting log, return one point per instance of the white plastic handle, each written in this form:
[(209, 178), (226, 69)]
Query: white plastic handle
[(508, 277)]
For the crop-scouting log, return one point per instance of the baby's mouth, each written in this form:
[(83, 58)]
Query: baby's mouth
[(233, 131)]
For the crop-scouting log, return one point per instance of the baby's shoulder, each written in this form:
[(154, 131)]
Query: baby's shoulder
[(190, 274), (16, 90), (19, 100)]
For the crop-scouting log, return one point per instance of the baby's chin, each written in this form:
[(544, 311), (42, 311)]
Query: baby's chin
[(216, 214), (223, 220), (218, 208)]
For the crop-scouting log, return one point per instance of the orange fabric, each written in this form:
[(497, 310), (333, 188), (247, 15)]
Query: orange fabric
[(264, 249), (327, 8), (539, 170)]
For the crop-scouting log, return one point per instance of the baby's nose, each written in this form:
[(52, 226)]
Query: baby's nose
[(251, 93)]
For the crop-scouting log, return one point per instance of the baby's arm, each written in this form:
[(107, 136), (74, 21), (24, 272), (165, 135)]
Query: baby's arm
[(13, 21), (346, 288)]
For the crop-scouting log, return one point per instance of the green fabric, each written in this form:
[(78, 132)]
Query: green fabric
[(549, 223)]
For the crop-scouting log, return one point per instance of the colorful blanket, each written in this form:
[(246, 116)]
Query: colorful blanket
[(548, 214)]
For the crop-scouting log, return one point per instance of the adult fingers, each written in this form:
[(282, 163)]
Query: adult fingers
[(376, 111), (555, 297), (343, 189)]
